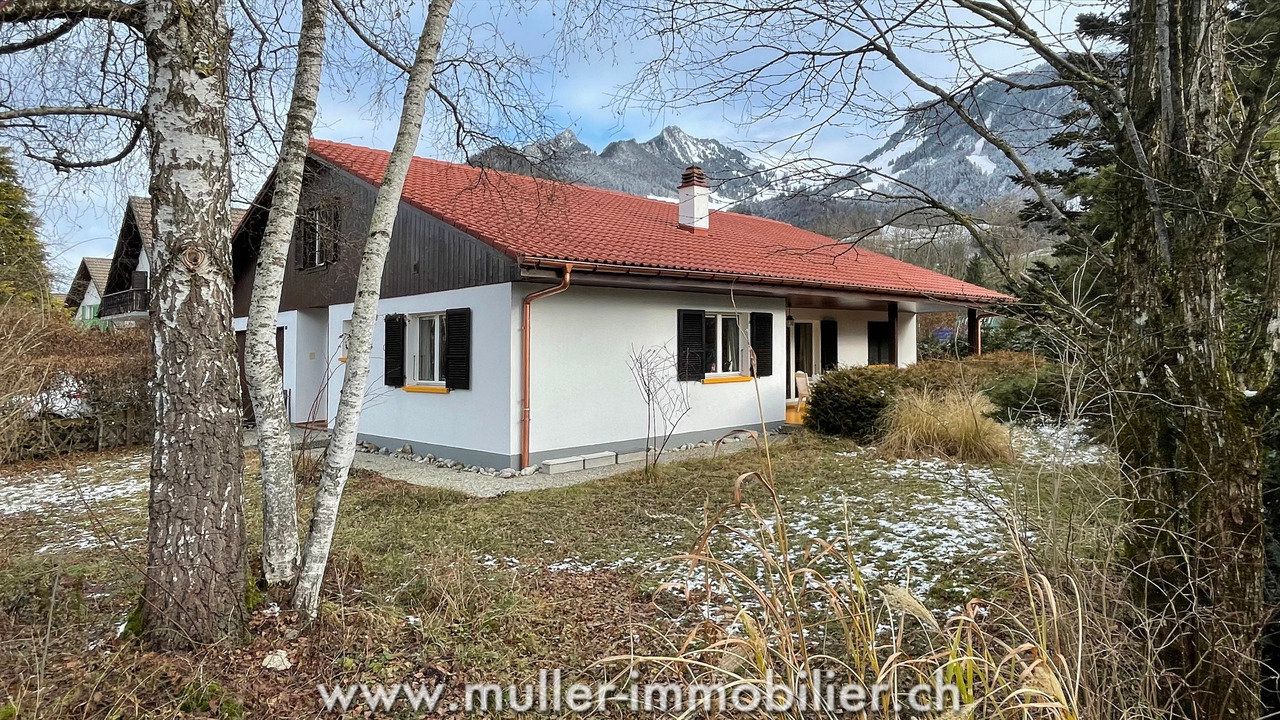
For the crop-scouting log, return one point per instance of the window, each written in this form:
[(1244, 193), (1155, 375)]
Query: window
[(722, 343), (879, 343), (426, 349), (804, 348), (344, 350), (314, 236)]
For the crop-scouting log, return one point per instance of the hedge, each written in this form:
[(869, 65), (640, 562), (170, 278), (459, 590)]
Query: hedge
[(851, 401)]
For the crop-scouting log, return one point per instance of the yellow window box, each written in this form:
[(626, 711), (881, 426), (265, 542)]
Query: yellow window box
[(726, 379), (432, 389)]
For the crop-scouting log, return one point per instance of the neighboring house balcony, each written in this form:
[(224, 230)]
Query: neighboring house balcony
[(126, 305)]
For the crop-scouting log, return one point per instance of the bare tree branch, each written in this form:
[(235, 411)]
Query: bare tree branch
[(54, 110), (23, 11)]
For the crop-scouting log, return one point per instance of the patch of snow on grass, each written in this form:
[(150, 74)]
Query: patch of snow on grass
[(1066, 444), (916, 529), (67, 501), (45, 490)]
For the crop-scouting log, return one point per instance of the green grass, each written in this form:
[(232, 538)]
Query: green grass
[(497, 587)]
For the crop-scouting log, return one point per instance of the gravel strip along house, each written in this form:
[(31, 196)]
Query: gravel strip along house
[(512, 307)]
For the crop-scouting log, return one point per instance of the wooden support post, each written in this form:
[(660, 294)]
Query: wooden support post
[(893, 334), (975, 333)]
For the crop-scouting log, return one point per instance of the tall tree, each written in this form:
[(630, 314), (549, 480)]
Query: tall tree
[(266, 384), (24, 274), (1186, 133), (193, 590), (195, 575), (342, 444)]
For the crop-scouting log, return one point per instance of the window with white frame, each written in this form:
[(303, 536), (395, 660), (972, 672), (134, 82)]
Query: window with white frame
[(426, 349), (722, 343), (315, 236)]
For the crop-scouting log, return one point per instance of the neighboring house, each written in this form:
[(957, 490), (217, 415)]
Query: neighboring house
[(126, 293), (87, 288), (511, 307), (127, 302)]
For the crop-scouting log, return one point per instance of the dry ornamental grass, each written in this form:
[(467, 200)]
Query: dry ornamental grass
[(950, 424)]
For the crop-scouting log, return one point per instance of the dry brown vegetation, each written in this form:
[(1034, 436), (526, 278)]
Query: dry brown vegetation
[(950, 424), (432, 585), (66, 388)]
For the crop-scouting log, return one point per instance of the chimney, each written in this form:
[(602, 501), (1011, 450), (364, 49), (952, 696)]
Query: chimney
[(695, 199)]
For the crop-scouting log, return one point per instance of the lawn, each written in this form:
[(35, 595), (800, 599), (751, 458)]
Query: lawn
[(427, 581)]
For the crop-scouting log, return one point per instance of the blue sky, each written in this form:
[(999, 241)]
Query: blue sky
[(580, 80), (81, 214)]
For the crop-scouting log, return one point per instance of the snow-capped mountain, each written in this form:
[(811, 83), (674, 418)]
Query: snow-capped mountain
[(936, 151), (933, 150), (649, 168)]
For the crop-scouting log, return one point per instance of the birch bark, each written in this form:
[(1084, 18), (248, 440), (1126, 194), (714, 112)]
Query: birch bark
[(266, 389), (342, 444), (193, 591)]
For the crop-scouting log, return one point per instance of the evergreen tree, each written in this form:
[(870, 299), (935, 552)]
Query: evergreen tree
[(23, 272)]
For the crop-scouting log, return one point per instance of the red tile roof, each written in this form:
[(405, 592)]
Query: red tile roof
[(532, 219)]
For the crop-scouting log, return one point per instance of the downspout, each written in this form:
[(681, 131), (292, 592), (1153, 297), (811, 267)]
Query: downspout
[(526, 323)]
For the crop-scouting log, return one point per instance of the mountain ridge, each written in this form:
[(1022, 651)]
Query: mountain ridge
[(931, 149)]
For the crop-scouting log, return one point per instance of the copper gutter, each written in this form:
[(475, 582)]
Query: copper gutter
[(526, 323)]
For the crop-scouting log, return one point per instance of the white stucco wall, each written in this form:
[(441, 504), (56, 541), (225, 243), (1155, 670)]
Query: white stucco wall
[(583, 390), (583, 393), (906, 339), (479, 419), (313, 361), (289, 352), (89, 304)]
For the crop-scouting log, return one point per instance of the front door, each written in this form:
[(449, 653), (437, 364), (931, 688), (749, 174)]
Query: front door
[(800, 353), (246, 404), (879, 343)]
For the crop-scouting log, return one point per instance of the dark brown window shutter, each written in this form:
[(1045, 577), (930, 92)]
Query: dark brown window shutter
[(335, 232), (690, 345), (457, 349), (829, 336), (393, 351), (762, 342), (299, 261)]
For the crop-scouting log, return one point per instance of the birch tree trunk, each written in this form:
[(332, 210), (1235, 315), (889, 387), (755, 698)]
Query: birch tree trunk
[(194, 587), (266, 388), (342, 444)]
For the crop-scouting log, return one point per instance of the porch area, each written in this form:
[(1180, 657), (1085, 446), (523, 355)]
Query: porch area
[(825, 333)]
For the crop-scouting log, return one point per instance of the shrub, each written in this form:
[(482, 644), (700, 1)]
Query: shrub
[(1028, 396), (976, 372), (850, 401), (952, 424), (70, 388)]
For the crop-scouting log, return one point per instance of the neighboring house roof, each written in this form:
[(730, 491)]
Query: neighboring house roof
[(141, 209), (91, 270), (136, 235), (536, 220)]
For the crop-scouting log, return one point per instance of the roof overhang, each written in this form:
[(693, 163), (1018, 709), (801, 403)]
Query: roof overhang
[(803, 293)]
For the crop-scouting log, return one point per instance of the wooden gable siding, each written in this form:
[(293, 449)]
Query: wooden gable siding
[(426, 255), (125, 258)]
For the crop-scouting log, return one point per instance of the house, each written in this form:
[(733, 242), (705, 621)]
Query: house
[(125, 299), (511, 308), (128, 298), (87, 288)]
